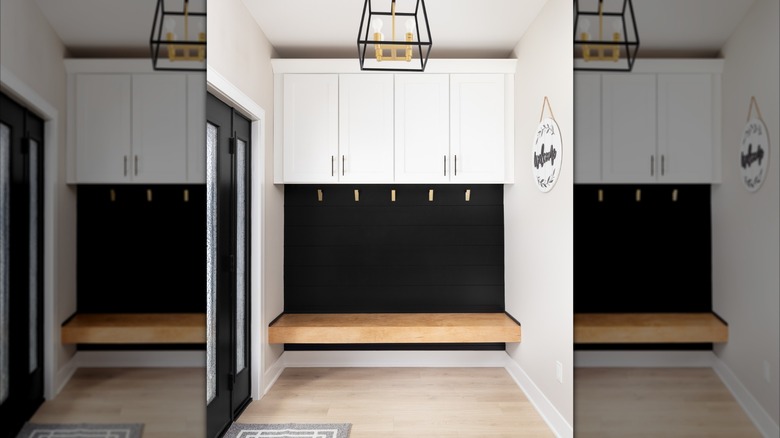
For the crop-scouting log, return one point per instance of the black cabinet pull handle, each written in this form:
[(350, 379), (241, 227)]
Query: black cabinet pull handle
[(342, 165), (662, 165), (652, 165), (135, 165), (125, 165), (331, 166), (445, 165)]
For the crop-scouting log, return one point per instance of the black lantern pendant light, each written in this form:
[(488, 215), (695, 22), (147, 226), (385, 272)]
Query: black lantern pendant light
[(597, 50), (378, 48), (178, 39)]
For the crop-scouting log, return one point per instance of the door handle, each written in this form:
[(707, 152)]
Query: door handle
[(652, 165)]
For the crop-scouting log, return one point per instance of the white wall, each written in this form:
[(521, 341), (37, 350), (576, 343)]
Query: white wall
[(538, 226), (31, 51), (240, 52), (746, 227)]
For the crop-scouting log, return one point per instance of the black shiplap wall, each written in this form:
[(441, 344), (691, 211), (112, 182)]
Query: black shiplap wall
[(137, 256), (411, 255), (648, 256)]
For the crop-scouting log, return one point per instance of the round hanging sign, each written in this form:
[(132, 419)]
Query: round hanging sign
[(547, 154), (754, 154)]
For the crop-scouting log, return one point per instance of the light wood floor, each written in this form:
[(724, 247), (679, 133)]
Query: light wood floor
[(169, 401), (402, 402), (656, 402)]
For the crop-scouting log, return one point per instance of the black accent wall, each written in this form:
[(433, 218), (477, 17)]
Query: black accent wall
[(411, 255), (648, 256), (137, 256)]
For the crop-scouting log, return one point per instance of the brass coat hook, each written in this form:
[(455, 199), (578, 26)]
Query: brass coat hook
[(601, 195), (319, 195), (468, 195), (392, 195), (430, 195), (149, 195), (357, 195)]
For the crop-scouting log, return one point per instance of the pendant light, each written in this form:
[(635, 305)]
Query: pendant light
[(595, 51), (380, 48), (178, 39)]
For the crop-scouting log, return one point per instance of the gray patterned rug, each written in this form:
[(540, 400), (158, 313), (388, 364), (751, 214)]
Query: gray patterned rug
[(81, 430), (289, 430)]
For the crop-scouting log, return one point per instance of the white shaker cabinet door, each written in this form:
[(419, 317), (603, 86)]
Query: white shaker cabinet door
[(159, 128), (310, 125), (629, 128), (685, 128), (196, 128), (422, 119), (365, 128), (477, 126), (103, 128), (587, 128)]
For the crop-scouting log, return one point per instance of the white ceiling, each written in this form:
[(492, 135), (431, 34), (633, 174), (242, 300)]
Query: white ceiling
[(459, 28)]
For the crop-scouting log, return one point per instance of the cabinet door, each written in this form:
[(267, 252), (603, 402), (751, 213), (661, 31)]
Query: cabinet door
[(310, 128), (103, 128), (629, 128), (159, 128), (422, 109), (477, 127), (587, 128), (366, 128), (685, 128), (196, 135)]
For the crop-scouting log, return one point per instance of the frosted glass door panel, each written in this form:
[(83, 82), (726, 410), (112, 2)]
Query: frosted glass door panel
[(211, 262), (241, 237), (33, 199), (5, 191)]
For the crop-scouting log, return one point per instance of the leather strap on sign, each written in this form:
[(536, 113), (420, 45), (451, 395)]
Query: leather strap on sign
[(547, 103), (753, 103)]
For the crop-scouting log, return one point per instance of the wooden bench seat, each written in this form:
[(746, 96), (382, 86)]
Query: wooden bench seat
[(393, 328), (135, 328), (659, 328)]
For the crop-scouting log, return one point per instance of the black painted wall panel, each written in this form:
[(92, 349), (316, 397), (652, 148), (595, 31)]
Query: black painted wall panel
[(139, 256), (648, 256), (411, 255)]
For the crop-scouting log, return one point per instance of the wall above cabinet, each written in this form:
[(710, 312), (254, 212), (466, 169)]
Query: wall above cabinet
[(658, 124), (452, 124), (130, 124)]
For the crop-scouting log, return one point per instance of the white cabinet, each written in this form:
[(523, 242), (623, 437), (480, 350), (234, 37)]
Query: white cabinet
[(658, 124), (311, 128), (628, 128), (130, 124), (365, 128), (422, 128), (335, 124), (587, 128), (686, 129), (477, 128), (103, 145), (159, 146)]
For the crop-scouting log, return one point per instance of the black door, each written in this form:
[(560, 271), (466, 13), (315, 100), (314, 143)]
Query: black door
[(227, 187), (21, 276)]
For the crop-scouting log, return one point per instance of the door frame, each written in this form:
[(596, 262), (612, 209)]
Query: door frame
[(53, 378), (225, 91)]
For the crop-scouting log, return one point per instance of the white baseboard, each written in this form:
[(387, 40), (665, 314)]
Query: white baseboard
[(752, 408), (272, 374), (140, 359), (644, 359), (543, 406), (64, 374), (389, 359)]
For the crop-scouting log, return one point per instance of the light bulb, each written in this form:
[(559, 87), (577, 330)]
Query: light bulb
[(169, 25), (410, 25), (377, 25), (584, 25)]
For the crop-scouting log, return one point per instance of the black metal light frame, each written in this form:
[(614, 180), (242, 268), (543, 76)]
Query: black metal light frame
[(157, 41), (422, 46), (630, 46)]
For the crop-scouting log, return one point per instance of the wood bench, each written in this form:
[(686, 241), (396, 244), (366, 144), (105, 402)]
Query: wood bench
[(393, 328), (658, 328), (135, 328)]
